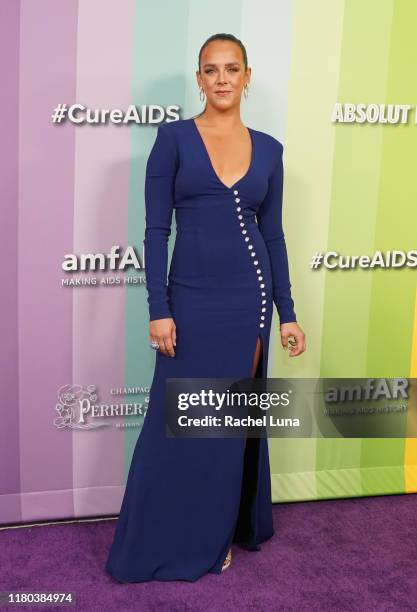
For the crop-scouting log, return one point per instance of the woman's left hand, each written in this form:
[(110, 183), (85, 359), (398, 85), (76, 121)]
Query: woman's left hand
[(298, 345)]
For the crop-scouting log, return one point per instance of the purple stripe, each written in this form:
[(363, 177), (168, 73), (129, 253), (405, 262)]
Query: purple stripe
[(46, 197), (101, 221), (9, 431)]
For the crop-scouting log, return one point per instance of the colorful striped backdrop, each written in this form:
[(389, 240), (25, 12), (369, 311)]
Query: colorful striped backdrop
[(79, 189)]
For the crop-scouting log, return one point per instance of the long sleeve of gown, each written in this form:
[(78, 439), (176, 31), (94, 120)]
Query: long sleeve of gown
[(161, 169), (269, 219)]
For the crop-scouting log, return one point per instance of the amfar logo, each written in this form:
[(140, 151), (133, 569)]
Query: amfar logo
[(103, 261), (76, 401)]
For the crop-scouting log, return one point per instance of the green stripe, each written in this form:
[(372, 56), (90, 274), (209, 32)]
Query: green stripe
[(159, 52), (393, 291), (349, 306), (309, 140)]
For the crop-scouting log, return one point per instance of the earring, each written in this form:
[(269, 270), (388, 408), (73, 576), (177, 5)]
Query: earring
[(202, 92), (246, 91)]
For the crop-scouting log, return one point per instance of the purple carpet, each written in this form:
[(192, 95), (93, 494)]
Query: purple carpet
[(353, 554)]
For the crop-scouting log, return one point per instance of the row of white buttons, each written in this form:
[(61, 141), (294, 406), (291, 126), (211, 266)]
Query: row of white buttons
[(253, 254)]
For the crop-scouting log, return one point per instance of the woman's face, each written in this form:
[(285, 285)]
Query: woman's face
[(222, 74)]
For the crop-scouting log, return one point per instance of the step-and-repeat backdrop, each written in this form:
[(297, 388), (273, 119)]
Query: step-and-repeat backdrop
[(83, 84)]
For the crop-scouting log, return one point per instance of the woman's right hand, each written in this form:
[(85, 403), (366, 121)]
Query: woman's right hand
[(164, 332)]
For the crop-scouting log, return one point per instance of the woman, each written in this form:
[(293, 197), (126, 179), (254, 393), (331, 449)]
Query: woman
[(188, 499)]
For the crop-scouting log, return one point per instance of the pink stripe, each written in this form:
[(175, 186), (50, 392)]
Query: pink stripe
[(103, 153), (9, 431), (46, 184)]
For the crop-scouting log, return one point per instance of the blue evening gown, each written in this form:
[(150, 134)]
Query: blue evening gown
[(188, 499)]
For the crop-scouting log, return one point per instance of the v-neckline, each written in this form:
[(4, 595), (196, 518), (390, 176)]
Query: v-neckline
[(216, 176)]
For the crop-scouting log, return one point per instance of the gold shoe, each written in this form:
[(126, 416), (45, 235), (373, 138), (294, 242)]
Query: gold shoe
[(227, 561)]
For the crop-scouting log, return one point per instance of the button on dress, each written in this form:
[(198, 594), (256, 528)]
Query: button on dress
[(188, 499)]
